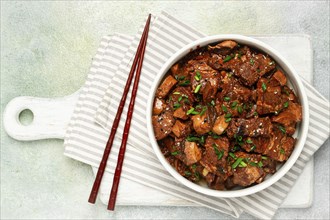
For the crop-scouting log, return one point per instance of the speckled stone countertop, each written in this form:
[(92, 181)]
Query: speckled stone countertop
[(46, 50)]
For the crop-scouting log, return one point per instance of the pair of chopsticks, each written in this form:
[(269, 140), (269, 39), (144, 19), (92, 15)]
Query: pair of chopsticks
[(138, 61)]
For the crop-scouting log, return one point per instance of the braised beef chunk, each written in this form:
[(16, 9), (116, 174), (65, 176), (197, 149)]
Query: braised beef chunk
[(204, 79), (181, 129), (247, 168), (225, 115), (289, 117), (223, 48), (166, 86), (253, 127), (163, 124), (281, 145), (247, 65), (270, 99), (216, 152)]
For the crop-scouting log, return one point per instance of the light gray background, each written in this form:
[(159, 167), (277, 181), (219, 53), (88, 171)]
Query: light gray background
[(46, 50)]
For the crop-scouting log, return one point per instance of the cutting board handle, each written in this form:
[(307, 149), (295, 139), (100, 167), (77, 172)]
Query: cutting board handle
[(50, 117)]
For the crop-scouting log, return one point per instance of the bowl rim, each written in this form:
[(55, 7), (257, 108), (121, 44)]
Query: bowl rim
[(291, 74)]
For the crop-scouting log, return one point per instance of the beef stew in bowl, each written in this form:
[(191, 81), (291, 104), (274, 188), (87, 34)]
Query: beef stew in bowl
[(225, 116)]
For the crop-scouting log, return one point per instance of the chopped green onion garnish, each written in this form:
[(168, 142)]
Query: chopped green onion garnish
[(263, 86), (253, 164), (197, 88), (180, 98), (282, 151), (176, 93), (251, 61), (187, 173), (239, 138), (197, 176), (242, 164), (203, 110), (176, 105), (184, 83), (255, 113), (227, 99), (249, 141), (282, 129), (212, 102), (217, 152), (228, 115), (193, 166), (264, 157), (224, 108), (286, 104), (239, 109), (260, 164), (198, 76), (233, 105), (228, 120), (232, 155), (253, 148), (192, 111), (228, 57), (238, 161), (192, 139), (175, 153), (202, 140)]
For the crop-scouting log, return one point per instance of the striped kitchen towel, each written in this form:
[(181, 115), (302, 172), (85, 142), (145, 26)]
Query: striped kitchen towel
[(85, 140)]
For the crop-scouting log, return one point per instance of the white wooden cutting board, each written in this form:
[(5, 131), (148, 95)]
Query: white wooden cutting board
[(51, 117)]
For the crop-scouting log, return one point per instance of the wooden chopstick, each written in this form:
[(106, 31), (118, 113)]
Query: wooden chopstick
[(121, 155), (103, 163)]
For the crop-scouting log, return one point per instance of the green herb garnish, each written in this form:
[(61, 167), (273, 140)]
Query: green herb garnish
[(193, 166), (184, 83), (286, 104), (242, 164), (198, 87), (238, 161), (192, 111), (228, 57), (227, 99), (239, 109), (253, 148), (228, 120), (212, 102), (217, 152), (228, 115), (203, 110), (282, 151), (260, 164), (251, 61), (232, 155), (224, 108), (282, 129), (176, 105), (192, 139), (264, 157), (233, 105), (249, 141), (198, 76), (176, 93), (175, 153), (263, 86), (187, 173)]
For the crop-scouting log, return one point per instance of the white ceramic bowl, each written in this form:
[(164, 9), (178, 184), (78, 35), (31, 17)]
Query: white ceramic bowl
[(295, 83)]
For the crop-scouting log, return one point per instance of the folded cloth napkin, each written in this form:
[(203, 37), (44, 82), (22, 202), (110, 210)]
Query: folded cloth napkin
[(85, 140)]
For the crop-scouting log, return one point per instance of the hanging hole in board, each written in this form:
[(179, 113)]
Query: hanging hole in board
[(26, 117)]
